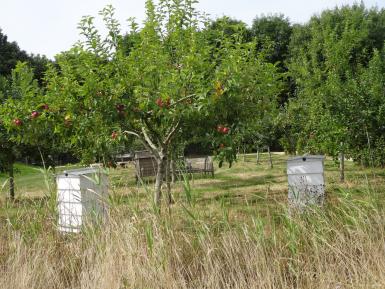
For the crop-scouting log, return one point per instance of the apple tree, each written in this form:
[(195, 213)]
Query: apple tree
[(15, 90), (170, 80)]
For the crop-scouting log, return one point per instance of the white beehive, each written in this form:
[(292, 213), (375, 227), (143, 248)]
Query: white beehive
[(306, 181), (82, 198)]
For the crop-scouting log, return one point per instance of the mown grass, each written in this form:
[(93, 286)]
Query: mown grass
[(28, 181), (230, 231)]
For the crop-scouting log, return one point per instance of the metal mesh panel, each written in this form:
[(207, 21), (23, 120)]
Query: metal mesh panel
[(80, 200)]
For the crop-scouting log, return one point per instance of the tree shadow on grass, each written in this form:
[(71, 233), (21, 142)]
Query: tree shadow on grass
[(230, 182)]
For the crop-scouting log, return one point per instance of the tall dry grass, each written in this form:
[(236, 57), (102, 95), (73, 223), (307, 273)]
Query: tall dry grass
[(340, 246)]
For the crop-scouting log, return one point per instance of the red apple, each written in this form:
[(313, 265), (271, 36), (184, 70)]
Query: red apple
[(225, 130), (219, 128), (114, 135), (17, 121), (45, 107), (34, 114), (159, 102), (120, 107)]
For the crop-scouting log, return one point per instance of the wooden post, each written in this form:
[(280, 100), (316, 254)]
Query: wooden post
[(370, 150), (270, 158), (342, 165), (258, 156), (11, 180)]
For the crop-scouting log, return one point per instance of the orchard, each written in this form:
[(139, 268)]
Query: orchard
[(181, 79), (167, 108)]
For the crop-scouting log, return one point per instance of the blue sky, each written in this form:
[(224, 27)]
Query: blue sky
[(49, 26)]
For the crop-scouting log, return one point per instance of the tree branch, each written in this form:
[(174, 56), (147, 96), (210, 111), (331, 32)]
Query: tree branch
[(141, 138), (151, 145), (127, 132), (171, 133), (151, 130), (150, 112), (182, 99)]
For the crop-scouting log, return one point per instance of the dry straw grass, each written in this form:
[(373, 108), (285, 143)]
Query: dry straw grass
[(341, 247), (250, 245)]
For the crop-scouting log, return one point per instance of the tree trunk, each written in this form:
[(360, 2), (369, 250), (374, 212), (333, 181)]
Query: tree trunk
[(173, 171), (371, 161), (258, 156), (342, 166), (159, 180), (270, 158), (11, 181), (244, 153), (168, 181)]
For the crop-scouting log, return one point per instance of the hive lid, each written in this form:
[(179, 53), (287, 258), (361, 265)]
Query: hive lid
[(143, 155), (127, 155), (78, 172), (306, 158)]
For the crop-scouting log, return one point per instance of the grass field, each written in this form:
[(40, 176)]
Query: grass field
[(29, 181), (230, 231), (245, 179)]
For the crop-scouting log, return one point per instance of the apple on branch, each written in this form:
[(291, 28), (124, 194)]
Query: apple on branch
[(17, 122), (67, 120), (35, 114), (159, 102), (114, 135)]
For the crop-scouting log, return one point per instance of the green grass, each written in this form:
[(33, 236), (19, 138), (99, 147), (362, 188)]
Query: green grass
[(29, 181), (243, 179), (246, 190), (243, 192)]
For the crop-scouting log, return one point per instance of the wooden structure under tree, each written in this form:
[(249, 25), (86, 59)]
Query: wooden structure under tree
[(146, 166), (200, 164), (123, 160)]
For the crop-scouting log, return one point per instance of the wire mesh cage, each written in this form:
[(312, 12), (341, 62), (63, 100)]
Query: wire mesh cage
[(306, 181), (81, 198)]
